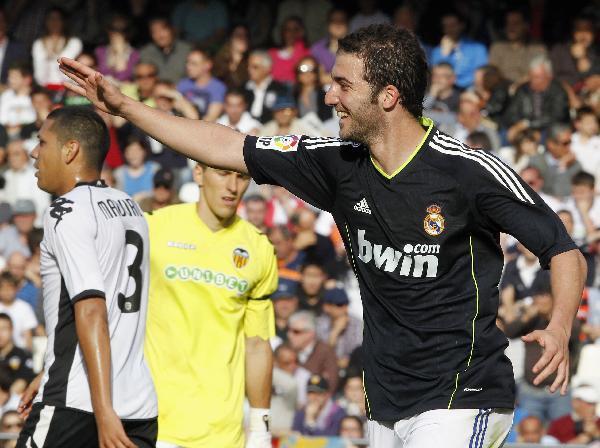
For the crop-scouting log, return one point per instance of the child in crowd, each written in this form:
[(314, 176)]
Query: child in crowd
[(16, 108), (21, 313)]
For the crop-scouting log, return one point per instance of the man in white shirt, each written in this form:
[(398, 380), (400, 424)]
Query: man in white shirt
[(21, 313), (236, 114), (585, 142), (16, 108)]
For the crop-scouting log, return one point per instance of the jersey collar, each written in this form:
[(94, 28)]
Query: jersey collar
[(94, 183), (425, 122)]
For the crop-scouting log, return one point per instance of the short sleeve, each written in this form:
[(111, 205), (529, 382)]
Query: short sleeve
[(259, 319), (504, 202), (305, 166), (71, 228)]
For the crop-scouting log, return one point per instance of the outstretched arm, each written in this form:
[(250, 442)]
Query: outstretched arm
[(209, 143)]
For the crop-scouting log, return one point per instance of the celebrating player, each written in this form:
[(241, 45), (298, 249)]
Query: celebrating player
[(420, 214), (94, 267), (210, 318)]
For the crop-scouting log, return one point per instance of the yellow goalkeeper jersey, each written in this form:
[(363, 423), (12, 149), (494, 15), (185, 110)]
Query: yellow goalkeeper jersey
[(208, 291)]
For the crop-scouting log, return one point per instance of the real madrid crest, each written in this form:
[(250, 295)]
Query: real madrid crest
[(240, 257), (434, 221)]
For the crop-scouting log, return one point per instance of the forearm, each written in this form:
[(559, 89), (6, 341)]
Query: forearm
[(259, 372), (568, 272), (92, 332), (209, 143)]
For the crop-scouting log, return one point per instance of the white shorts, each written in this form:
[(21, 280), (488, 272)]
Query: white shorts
[(448, 428), (160, 444)]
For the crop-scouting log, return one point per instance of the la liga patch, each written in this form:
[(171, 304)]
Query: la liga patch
[(281, 143)]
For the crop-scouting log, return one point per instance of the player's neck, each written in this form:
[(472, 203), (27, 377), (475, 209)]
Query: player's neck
[(212, 221), (396, 143), (71, 181)]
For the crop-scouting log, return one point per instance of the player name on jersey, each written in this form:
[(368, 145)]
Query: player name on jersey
[(118, 208), (389, 258)]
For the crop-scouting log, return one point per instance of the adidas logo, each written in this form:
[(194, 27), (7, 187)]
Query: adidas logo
[(363, 207)]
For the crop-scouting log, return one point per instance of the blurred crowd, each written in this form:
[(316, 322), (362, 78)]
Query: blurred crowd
[(518, 79)]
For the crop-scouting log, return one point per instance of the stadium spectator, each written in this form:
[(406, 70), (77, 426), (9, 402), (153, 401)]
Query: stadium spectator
[(535, 399), (336, 327), (255, 207), (15, 361), (201, 22), (284, 397), (231, 61), (289, 259), (286, 359), (311, 12), (10, 423), (261, 89), (353, 399), (441, 101), (464, 54), (321, 416), (308, 240), (292, 49), (314, 355), (557, 164), (585, 141), (581, 425), (41, 100), (469, 119), (11, 50), (9, 401), (28, 288), (285, 120), (308, 92), (579, 58), (351, 428), (9, 235), (136, 177), (531, 430), (163, 193), (236, 114), (201, 88), (167, 53), (479, 140), (24, 217), (20, 312), (16, 108), (312, 283), (513, 55), (584, 207), (55, 42), (21, 181), (519, 277), (525, 145), (145, 76), (532, 176), (539, 103), (118, 58), (494, 91), (285, 303), (368, 14), (324, 49)]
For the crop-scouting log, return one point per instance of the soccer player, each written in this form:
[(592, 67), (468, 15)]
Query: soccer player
[(210, 318), (95, 389), (420, 214)]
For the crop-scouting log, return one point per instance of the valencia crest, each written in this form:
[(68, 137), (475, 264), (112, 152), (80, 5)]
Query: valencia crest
[(434, 222), (240, 257)]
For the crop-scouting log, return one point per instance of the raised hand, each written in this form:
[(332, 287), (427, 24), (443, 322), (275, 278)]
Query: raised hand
[(91, 84)]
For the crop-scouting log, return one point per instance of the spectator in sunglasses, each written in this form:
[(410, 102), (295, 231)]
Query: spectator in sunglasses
[(309, 94)]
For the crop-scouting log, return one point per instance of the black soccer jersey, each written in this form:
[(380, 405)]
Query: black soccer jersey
[(424, 244)]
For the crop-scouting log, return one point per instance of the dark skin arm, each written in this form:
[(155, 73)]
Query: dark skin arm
[(91, 323)]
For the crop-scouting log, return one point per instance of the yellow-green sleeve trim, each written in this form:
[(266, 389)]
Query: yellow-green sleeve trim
[(424, 122)]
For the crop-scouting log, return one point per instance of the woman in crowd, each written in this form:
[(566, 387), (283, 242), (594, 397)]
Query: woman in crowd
[(118, 58), (292, 50), (231, 61), (309, 94), (54, 43)]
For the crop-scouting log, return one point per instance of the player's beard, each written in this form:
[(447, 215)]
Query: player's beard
[(363, 124)]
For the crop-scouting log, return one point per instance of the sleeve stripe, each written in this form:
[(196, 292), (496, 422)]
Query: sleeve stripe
[(88, 294), (327, 145), (260, 298), (490, 166), (494, 161)]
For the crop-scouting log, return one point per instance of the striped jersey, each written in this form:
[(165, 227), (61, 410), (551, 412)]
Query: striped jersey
[(96, 245), (424, 244)]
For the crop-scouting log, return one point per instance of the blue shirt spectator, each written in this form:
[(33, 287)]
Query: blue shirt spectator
[(201, 22)]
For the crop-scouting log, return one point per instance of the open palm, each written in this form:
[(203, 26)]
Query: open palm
[(91, 84)]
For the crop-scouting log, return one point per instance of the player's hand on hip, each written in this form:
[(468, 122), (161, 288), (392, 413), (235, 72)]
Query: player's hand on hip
[(27, 398), (555, 357), (110, 431), (91, 84)]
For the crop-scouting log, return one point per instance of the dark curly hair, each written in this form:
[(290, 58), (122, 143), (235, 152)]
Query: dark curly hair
[(391, 56)]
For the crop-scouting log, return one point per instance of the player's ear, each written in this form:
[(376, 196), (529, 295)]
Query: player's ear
[(198, 174), (70, 150), (390, 96)]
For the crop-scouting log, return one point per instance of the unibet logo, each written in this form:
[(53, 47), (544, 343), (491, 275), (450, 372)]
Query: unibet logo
[(416, 260), (206, 276)]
